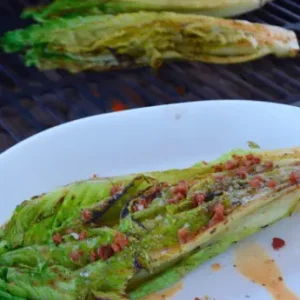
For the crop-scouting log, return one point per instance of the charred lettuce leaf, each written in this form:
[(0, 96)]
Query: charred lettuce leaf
[(220, 8), (105, 42), (128, 236)]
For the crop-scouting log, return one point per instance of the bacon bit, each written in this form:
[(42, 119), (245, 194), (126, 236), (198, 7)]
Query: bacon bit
[(176, 199), (93, 256), (271, 183), (184, 235), (269, 164), (278, 243), (219, 168), (172, 200), (57, 239), (259, 178), (120, 241), (256, 182), (83, 235), (181, 189), (105, 252), (293, 178), (75, 256), (257, 160), (219, 215), (230, 165), (248, 163), (242, 173), (219, 177), (86, 214), (237, 157), (94, 175), (198, 199), (254, 160), (164, 185), (250, 156), (203, 228), (115, 189)]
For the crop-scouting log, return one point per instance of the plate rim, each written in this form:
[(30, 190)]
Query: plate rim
[(71, 123)]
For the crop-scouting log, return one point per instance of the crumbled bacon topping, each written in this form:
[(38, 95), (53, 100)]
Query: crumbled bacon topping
[(198, 199), (271, 183), (269, 164), (181, 189), (86, 214), (256, 182), (184, 235), (116, 188), (242, 173), (219, 168), (83, 235), (278, 243), (219, 214), (294, 177), (57, 239), (229, 165), (105, 252), (93, 256), (120, 241), (75, 255)]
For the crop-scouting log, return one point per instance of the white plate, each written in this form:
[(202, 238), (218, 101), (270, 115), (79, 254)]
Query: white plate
[(159, 138)]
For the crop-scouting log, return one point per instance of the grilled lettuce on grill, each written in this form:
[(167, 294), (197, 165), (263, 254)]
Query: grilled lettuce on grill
[(126, 237), (146, 38), (217, 8)]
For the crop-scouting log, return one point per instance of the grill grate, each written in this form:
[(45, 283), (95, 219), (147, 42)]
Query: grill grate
[(31, 101)]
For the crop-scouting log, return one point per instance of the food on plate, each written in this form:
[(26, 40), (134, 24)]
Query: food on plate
[(217, 8), (129, 236), (105, 42)]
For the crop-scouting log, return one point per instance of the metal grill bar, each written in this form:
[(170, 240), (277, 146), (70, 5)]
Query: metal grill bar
[(31, 101)]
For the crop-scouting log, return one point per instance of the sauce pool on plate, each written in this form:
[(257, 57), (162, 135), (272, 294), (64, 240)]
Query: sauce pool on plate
[(253, 262)]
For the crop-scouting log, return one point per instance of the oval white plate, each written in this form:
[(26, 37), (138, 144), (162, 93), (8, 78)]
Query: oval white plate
[(158, 138)]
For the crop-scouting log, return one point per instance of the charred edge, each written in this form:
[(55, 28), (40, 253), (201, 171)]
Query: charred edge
[(110, 202), (61, 200), (35, 197), (139, 223), (142, 195), (265, 226), (136, 263), (211, 195), (123, 59), (126, 209), (124, 212), (213, 231)]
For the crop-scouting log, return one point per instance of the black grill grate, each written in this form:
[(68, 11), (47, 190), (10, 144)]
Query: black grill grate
[(31, 101)]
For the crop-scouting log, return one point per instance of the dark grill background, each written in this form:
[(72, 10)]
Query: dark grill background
[(31, 101)]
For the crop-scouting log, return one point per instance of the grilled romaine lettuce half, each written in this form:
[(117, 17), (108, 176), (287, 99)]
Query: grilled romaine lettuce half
[(126, 237), (217, 8), (146, 38)]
